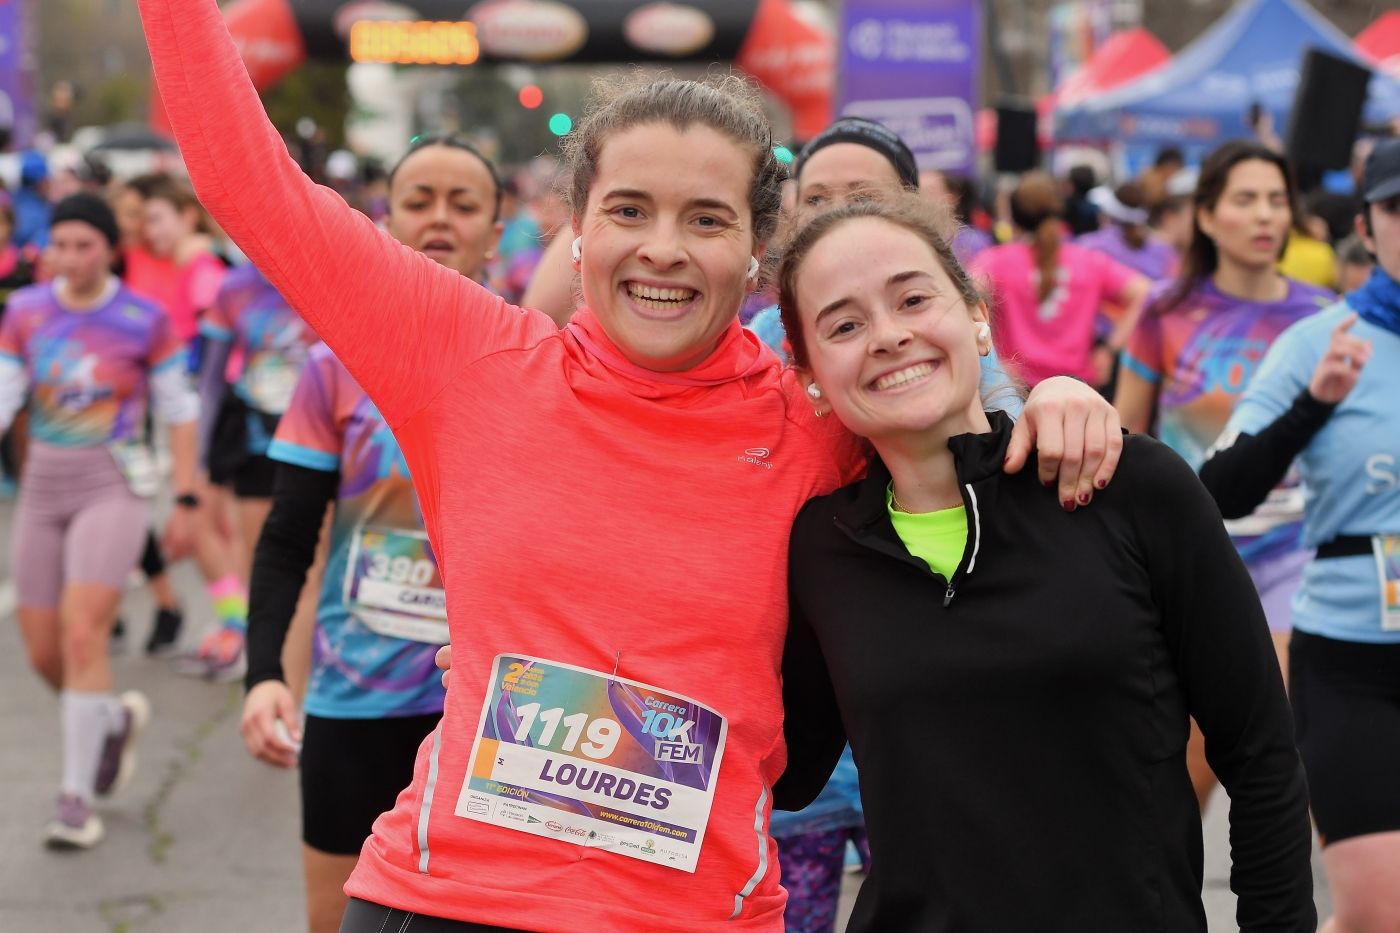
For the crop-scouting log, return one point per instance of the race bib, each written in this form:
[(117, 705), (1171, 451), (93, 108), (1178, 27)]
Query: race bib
[(393, 585), (1387, 548), (138, 467), (270, 381), (594, 760)]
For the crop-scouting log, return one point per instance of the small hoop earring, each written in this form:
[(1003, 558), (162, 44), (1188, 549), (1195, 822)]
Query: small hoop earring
[(577, 248), (814, 391), (753, 267)]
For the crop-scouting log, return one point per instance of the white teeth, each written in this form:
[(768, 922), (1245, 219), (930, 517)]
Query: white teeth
[(649, 293), (909, 374)]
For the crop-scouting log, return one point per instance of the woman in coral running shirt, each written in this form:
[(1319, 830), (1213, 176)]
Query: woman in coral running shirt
[(613, 726)]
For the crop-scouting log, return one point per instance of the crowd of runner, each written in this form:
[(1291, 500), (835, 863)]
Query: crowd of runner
[(748, 556)]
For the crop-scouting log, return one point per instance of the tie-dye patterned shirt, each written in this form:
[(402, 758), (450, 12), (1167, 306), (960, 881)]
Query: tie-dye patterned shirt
[(1203, 353), (89, 371), (273, 339), (382, 611)]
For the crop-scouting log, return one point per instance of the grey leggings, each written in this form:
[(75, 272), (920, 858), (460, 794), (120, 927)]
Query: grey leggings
[(76, 521)]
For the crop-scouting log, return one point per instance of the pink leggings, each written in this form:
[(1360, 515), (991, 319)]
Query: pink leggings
[(76, 522)]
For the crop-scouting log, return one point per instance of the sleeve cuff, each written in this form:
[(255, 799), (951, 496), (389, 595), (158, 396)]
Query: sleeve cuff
[(307, 457), (1139, 367)]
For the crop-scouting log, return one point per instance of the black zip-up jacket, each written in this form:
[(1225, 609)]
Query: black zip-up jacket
[(1021, 729)]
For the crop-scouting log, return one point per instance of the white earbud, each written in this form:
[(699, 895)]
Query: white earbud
[(753, 267), (984, 332), (578, 248), (814, 391)]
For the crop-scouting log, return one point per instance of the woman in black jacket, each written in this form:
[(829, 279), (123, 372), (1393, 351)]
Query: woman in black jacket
[(1015, 680)]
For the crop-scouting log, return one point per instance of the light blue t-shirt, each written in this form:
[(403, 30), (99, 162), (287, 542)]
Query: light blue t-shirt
[(996, 384), (1350, 471)]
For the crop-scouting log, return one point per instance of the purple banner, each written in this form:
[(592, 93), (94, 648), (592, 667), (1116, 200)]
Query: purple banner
[(913, 66), (16, 72)]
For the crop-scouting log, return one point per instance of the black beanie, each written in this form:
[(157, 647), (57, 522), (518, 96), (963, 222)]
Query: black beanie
[(91, 210), (867, 133)]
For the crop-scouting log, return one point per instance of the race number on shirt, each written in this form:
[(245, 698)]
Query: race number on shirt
[(594, 760), (393, 585)]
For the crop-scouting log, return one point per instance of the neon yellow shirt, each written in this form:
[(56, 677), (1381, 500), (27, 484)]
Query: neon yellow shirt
[(1309, 260), (936, 538)]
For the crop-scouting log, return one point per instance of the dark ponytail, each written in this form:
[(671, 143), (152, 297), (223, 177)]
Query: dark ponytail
[(1038, 209)]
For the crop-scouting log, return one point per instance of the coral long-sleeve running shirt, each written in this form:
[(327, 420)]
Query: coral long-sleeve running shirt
[(613, 544)]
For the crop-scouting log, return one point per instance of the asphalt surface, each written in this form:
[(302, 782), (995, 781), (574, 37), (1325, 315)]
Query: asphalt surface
[(204, 838)]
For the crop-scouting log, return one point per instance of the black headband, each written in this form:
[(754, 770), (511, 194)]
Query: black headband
[(91, 210), (453, 141), (872, 135)]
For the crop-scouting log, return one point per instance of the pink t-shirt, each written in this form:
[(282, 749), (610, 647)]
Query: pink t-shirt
[(1054, 337), (620, 525), (184, 292)]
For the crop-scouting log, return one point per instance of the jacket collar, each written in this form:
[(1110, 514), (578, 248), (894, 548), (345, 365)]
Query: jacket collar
[(978, 458)]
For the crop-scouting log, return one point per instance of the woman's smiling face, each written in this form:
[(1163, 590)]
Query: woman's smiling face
[(666, 239), (890, 341)]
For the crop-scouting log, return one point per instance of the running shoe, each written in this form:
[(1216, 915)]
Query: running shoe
[(74, 825), (118, 761), (219, 657), (165, 633), (116, 642)]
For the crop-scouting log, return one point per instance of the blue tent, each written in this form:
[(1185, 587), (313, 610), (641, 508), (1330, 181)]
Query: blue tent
[(1203, 95)]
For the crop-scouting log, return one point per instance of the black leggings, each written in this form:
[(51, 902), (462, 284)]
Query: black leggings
[(1346, 707), (368, 917)]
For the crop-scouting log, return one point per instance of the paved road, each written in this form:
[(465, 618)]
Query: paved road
[(204, 839)]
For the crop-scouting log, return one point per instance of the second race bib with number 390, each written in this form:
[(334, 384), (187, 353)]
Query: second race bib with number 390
[(393, 585), (594, 760)]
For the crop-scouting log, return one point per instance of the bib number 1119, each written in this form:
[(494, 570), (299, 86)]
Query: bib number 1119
[(602, 733)]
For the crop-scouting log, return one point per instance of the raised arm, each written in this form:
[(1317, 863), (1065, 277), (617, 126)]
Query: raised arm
[(1241, 469), (1287, 403), (401, 323)]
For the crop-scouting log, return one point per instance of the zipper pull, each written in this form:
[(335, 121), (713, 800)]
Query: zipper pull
[(948, 596)]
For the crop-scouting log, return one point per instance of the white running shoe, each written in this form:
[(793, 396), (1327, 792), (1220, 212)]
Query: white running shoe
[(74, 825)]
